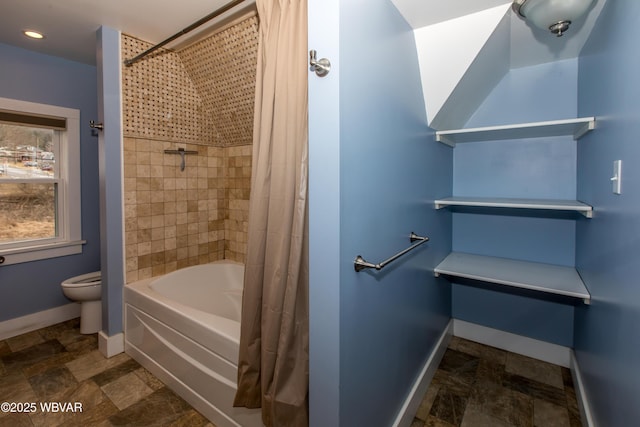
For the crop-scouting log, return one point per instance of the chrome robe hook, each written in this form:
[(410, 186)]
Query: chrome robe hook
[(320, 66)]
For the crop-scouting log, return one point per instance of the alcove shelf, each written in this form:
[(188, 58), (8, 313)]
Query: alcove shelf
[(512, 273), (535, 204), (547, 278), (575, 127)]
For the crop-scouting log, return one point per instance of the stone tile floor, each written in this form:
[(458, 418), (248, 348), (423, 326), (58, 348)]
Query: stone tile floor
[(58, 364), (474, 386), (481, 386)]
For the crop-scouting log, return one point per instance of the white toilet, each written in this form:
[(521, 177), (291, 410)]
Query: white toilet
[(87, 290)]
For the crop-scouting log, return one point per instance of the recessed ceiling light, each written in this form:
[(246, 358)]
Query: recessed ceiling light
[(33, 34)]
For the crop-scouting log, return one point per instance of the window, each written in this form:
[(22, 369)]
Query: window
[(39, 181)]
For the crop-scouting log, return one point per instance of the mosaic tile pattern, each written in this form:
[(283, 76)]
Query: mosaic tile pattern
[(58, 364), (202, 99), (203, 94), (477, 385), (159, 99), (223, 70)]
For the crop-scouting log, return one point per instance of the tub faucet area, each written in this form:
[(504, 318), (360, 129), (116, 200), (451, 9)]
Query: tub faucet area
[(181, 152)]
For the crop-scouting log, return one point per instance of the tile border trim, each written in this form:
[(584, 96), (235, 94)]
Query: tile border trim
[(412, 402), (34, 321)]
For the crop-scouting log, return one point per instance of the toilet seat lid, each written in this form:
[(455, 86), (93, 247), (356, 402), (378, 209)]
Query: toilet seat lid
[(84, 279)]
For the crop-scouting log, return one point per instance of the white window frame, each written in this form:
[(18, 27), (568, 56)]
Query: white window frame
[(68, 210)]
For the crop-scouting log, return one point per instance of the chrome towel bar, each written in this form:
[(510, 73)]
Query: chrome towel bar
[(360, 264)]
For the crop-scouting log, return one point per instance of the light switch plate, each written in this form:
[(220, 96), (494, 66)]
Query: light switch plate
[(616, 180)]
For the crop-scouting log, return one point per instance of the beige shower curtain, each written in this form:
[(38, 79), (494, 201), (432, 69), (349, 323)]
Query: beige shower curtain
[(273, 366)]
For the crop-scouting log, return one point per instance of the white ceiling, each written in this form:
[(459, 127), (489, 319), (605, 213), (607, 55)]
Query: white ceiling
[(420, 13), (529, 45), (462, 58), (70, 25)]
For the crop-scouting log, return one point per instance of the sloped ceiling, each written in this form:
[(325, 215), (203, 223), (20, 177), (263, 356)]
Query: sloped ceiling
[(508, 42), (420, 13), (458, 74), (466, 46), (70, 25)]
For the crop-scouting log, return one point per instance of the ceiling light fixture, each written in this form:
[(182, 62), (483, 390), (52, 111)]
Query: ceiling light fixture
[(552, 15), (33, 34)]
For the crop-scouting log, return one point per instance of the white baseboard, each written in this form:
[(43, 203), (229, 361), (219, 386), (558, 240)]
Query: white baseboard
[(581, 394), (109, 346), (410, 407), (42, 319), (541, 350)]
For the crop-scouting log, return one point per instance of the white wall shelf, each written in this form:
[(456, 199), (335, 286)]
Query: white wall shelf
[(536, 204), (547, 278), (574, 127)]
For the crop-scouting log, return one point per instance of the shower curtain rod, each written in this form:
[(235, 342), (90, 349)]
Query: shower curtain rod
[(209, 17)]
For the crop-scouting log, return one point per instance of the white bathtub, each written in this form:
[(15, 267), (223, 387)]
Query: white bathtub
[(184, 327)]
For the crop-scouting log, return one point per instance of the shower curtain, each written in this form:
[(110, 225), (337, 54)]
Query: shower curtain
[(273, 365)]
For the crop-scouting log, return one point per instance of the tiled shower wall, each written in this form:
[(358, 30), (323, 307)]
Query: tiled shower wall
[(237, 184), (199, 99)]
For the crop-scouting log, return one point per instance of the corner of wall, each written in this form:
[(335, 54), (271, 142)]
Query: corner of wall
[(461, 61)]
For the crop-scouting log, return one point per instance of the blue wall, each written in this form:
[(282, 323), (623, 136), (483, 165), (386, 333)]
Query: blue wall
[(607, 343), (27, 76), (390, 172), (111, 175), (324, 218), (527, 168)]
